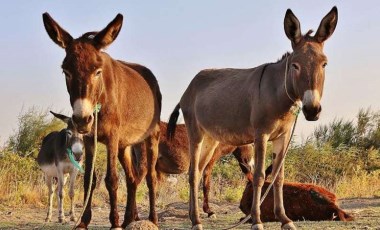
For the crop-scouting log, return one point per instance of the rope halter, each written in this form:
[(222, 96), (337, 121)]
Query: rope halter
[(297, 104)]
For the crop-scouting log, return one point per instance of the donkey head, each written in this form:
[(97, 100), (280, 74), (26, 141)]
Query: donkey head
[(83, 66), (73, 139), (308, 62)]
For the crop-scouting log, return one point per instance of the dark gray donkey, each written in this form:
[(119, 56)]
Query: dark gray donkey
[(54, 160)]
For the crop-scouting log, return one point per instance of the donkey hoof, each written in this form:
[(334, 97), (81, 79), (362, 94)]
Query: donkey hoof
[(73, 218), (81, 226), (47, 219), (288, 226), (212, 216), (61, 220), (197, 227), (257, 227)]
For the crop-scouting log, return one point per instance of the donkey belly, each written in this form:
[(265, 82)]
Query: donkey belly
[(52, 169), (227, 136)]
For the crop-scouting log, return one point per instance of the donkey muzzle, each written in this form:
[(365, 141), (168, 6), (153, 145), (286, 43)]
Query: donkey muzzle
[(83, 124), (312, 112), (78, 157)]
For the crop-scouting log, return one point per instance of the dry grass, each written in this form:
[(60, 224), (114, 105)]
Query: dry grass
[(22, 182), (363, 184)]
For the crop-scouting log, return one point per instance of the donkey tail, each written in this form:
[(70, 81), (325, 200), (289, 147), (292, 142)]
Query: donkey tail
[(172, 124)]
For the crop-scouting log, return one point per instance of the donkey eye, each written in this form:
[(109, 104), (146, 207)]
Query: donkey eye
[(295, 66), (324, 65), (67, 74), (98, 73), (69, 133)]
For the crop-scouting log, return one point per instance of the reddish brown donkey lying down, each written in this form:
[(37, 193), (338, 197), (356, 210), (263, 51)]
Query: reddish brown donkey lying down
[(301, 201)]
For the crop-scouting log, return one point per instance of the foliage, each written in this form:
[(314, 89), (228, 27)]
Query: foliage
[(365, 133), (321, 164), (33, 125), (342, 156), (20, 179), (361, 184)]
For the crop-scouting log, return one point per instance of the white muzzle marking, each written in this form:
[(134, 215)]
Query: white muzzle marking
[(77, 147), (311, 98), (82, 108)]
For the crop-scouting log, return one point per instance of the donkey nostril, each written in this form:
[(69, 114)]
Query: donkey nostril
[(78, 158), (319, 109)]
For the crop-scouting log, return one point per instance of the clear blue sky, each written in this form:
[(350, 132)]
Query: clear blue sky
[(176, 39)]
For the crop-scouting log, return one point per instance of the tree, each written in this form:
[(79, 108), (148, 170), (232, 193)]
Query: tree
[(365, 133), (33, 125), (338, 132)]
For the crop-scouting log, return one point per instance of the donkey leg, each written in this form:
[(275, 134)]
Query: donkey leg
[(73, 175), (206, 165), (89, 155), (111, 180), (49, 183), (152, 155), (258, 180), (131, 213), (279, 146), (245, 156), (132, 182), (61, 183), (206, 190), (195, 149)]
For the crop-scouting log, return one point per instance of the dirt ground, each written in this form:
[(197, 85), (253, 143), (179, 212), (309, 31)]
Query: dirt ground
[(175, 216)]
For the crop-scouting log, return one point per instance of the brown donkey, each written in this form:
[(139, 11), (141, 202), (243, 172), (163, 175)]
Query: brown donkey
[(130, 101), (174, 158), (242, 106), (302, 202)]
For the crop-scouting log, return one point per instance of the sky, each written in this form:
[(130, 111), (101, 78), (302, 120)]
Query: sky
[(177, 39)]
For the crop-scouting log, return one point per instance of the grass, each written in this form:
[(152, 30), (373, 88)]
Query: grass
[(22, 182), (344, 171), (363, 184), (366, 218)]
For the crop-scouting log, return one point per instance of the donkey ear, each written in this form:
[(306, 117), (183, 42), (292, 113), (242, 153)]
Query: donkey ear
[(109, 34), (55, 32), (292, 27), (327, 26), (61, 117)]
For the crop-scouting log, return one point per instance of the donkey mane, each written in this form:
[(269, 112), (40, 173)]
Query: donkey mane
[(270, 63), (285, 55), (89, 35), (48, 137), (308, 36)]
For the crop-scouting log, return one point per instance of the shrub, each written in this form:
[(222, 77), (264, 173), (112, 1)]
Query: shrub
[(33, 126)]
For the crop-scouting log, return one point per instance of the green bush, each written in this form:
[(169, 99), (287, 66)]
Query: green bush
[(33, 126)]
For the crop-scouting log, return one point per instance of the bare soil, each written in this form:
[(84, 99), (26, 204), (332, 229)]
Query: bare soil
[(175, 216)]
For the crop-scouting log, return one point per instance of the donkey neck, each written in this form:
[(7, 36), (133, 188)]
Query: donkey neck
[(275, 78)]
